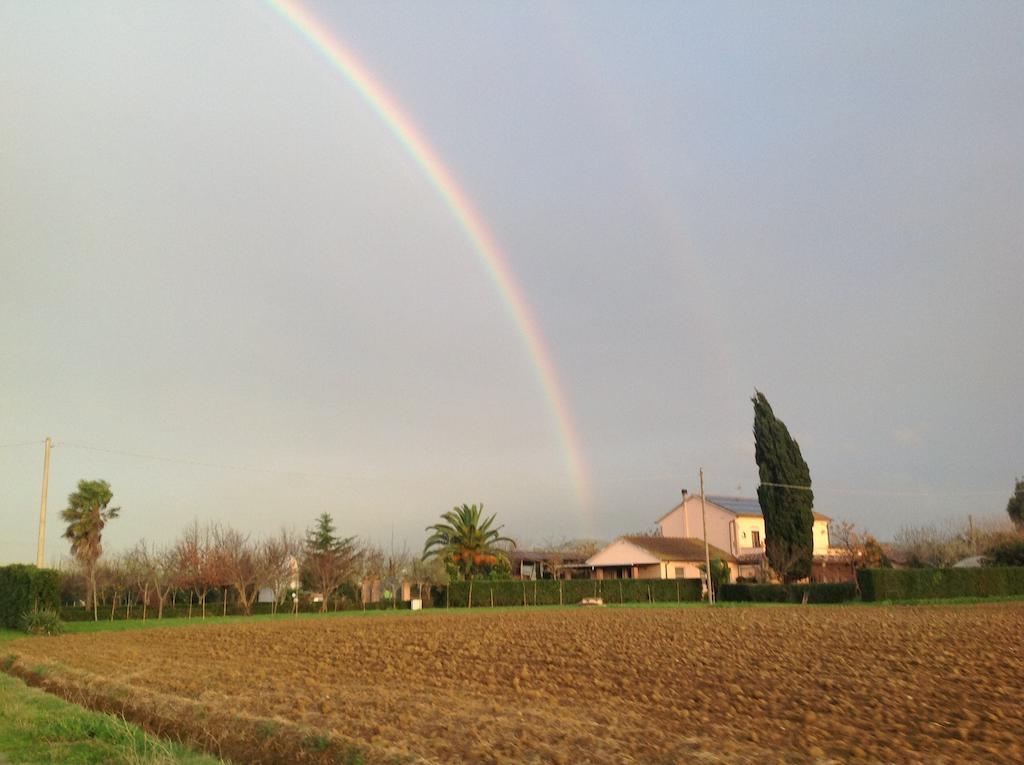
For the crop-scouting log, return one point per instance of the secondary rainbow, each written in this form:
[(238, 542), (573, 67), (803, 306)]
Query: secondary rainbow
[(481, 240)]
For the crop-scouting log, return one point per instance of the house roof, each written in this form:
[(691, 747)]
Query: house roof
[(547, 555), (747, 506), (677, 548)]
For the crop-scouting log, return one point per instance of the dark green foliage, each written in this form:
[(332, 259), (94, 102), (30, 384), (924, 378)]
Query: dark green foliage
[(24, 589), (720, 573), (550, 592), (329, 560), (1009, 552), (1015, 507), (788, 516), (839, 592), (923, 583), (42, 621)]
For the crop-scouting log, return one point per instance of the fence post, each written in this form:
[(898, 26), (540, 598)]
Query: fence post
[(524, 593), (650, 598), (470, 593), (620, 592), (560, 592), (492, 596), (534, 592), (677, 590)]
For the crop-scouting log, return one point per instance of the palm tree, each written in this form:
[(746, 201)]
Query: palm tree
[(86, 514), (466, 540)]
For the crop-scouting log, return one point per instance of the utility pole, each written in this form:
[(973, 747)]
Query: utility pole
[(41, 550), (707, 553)]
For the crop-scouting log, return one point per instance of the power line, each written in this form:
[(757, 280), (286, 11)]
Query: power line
[(200, 463), (22, 443), (894, 493), (624, 479)]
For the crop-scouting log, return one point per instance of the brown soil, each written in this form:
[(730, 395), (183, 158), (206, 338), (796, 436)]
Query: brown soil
[(923, 684)]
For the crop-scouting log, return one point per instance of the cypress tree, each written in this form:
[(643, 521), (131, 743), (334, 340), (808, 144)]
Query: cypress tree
[(788, 516)]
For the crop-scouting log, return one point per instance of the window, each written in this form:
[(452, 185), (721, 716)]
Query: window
[(755, 538)]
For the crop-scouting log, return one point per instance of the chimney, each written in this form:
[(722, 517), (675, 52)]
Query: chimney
[(685, 492)]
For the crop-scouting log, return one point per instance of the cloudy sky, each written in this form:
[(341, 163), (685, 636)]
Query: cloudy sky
[(213, 249)]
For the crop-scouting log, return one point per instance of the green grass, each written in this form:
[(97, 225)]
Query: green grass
[(36, 727)]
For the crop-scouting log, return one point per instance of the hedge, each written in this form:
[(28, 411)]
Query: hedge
[(25, 588), (550, 592), (838, 592), (213, 609), (924, 583)]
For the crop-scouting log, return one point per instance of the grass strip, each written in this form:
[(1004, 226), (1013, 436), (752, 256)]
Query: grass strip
[(36, 727)]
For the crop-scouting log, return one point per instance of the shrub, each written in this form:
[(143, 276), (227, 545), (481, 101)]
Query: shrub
[(24, 589), (913, 584), (41, 621), (839, 592), (1007, 553)]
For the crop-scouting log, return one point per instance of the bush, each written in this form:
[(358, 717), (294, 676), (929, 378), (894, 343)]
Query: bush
[(24, 589), (914, 584), (550, 592), (41, 621), (839, 592), (1007, 553)]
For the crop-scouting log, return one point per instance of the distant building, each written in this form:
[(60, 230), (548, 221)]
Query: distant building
[(545, 564)]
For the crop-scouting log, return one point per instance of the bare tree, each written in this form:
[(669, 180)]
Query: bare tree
[(932, 546), (112, 578), (194, 567), (237, 564), (369, 569), (430, 572), (162, 572), (139, 567), (277, 560), (395, 569)]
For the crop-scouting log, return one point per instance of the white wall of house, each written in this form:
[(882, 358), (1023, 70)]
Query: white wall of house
[(821, 542), (684, 521), (748, 530), (732, 533)]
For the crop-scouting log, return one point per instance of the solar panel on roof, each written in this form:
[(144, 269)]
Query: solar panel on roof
[(738, 505)]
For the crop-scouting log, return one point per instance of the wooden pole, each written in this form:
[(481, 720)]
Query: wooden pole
[(41, 548), (707, 553)]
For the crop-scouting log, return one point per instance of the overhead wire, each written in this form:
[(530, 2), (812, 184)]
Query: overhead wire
[(306, 474)]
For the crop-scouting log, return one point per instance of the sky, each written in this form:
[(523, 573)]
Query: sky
[(213, 250)]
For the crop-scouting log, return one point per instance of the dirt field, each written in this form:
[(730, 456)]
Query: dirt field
[(923, 684)]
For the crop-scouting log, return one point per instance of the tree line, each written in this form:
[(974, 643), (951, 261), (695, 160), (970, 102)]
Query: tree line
[(219, 558)]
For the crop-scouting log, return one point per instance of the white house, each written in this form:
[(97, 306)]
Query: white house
[(735, 533), (735, 524)]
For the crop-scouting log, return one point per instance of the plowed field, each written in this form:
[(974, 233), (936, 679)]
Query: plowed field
[(923, 684)]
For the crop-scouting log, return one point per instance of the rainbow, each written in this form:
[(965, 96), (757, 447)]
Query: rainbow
[(481, 240)]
